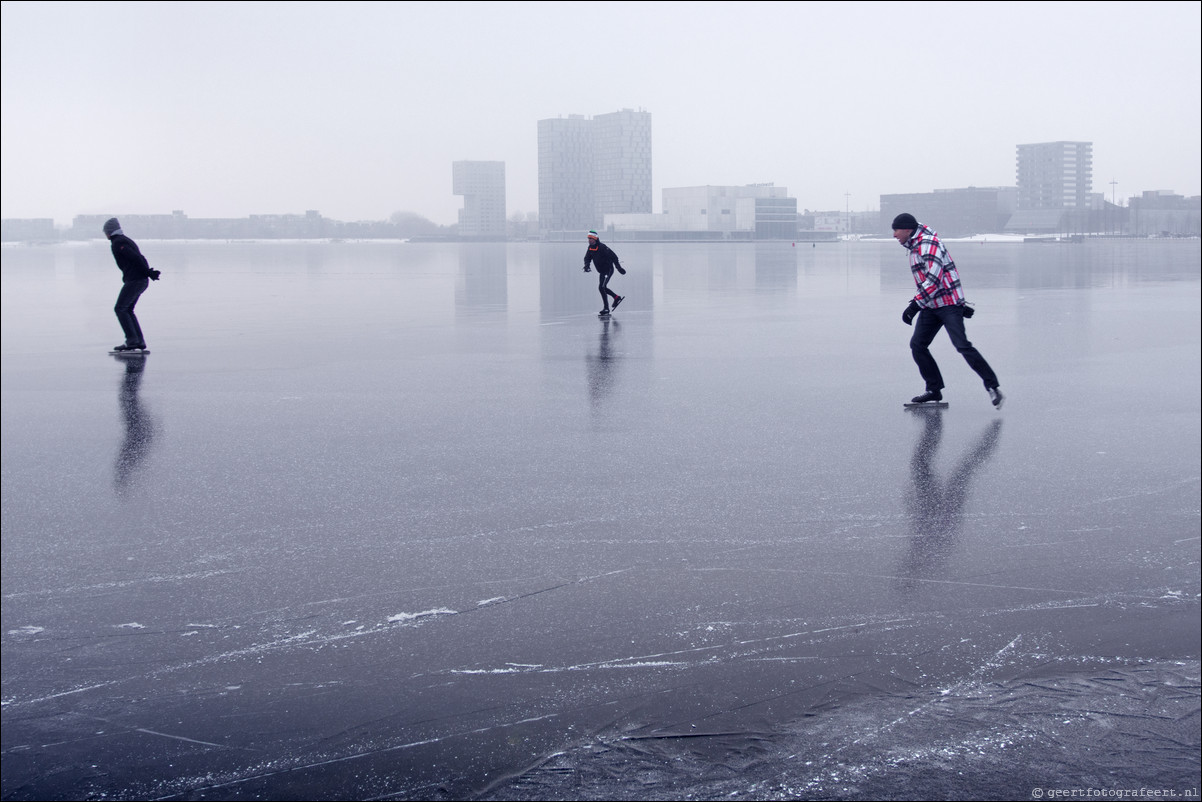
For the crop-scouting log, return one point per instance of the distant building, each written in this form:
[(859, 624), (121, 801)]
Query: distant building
[(482, 185), (37, 229), (1164, 213), (754, 211), (1055, 175), (565, 174), (954, 212), (622, 162), (588, 168), (177, 225)]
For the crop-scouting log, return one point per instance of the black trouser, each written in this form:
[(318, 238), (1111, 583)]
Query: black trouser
[(126, 300), (926, 326), (603, 277)]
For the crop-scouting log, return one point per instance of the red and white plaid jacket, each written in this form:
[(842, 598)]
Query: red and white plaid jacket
[(933, 269)]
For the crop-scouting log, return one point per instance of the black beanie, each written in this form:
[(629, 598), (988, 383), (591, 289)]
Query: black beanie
[(904, 220), (110, 226)]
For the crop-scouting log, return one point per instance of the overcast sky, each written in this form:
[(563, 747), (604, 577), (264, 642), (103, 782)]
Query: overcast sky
[(358, 110)]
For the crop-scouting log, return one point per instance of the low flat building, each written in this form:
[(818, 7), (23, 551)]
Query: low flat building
[(955, 212), (1163, 213), (753, 211)]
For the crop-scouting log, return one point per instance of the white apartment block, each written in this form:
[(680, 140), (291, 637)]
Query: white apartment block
[(1055, 175)]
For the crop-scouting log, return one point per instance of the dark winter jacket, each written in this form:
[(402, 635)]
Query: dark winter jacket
[(601, 257), (130, 260)]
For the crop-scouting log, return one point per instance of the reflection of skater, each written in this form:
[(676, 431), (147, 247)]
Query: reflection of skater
[(601, 366), (136, 273), (606, 261), (936, 506), (138, 427), (938, 304)]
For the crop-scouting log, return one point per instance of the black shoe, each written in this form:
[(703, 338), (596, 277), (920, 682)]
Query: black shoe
[(619, 300), (995, 395), (126, 347), (604, 312), (929, 395)]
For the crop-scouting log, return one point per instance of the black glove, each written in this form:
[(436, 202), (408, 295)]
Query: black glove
[(911, 311), (587, 269), (154, 274), (620, 269), (968, 310)]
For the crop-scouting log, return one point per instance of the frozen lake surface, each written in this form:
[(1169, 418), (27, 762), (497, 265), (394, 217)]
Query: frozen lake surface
[(409, 521)]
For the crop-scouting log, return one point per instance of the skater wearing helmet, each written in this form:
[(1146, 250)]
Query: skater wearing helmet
[(938, 304), (605, 260)]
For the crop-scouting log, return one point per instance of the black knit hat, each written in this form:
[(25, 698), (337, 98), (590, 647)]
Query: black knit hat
[(904, 220), (110, 226)]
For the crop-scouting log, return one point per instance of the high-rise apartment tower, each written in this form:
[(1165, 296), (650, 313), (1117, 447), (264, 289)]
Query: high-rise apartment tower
[(1055, 175)]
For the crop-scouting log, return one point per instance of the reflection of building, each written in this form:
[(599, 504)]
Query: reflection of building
[(1165, 213), (564, 289), (954, 212), (482, 185), (483, 277), (755, 211), (590, 167)]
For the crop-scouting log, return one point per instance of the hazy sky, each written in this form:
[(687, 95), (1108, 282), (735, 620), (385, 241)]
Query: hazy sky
[(358, 109)]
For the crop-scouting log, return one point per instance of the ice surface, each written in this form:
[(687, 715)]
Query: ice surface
[(408, 520)]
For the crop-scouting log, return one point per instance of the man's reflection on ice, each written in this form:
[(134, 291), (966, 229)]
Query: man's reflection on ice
[(139, 428), (935, 505)]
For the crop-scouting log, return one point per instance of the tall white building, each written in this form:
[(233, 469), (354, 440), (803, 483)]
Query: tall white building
[(565, 174), (1055, 175), (590, 167), (482, 185), (622, 162)]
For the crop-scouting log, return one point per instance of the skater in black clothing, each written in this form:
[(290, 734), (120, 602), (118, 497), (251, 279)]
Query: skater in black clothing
[(136, 275), (606, 261)]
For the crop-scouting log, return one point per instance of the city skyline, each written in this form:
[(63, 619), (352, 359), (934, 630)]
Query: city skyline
[(359, 113)]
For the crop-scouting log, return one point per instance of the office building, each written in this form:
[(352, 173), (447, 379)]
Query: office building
[(588, 167), (622, 162), (482, 185)]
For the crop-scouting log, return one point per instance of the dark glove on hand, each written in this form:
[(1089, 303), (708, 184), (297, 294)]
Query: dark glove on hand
[(620, 269), (587, 269), (911, 311), (154, 274), (968, 310)]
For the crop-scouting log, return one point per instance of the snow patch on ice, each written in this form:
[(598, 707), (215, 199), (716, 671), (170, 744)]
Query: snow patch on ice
[(26, 630), (131, 625), (423, 614)]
